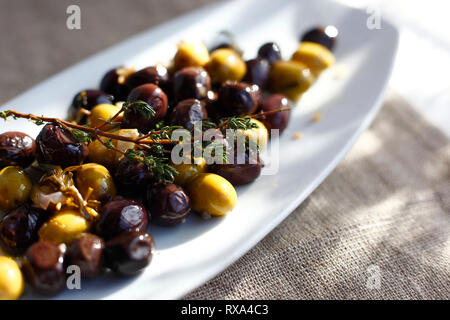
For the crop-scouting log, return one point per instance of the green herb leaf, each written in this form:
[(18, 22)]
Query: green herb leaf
[(38, 122), (4, 114), (165, 132), (208, 124), (238, 123), (81, 136), (109, 144), (141, 107), (158, 165)]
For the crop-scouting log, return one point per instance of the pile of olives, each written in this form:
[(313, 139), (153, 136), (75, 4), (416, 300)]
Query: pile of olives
[(64, 201)]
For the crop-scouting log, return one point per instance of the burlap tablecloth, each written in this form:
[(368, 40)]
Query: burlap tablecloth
[(378, 227)]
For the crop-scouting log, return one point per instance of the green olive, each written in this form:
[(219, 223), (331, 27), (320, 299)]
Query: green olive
[(259, 134), (11, 279), (191, 55), (95, 182), (212, 194), (290, 78), (98, 153), (188, 171), (64, 226), (103, 112), (226, 64), (15, 187), (315, 56)]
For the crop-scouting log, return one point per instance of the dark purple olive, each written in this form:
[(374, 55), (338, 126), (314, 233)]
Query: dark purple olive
[(43, 267), (278, 120), (214, 110), (270, 51), (155, 97), (155, 74), (168, 204), (129, 253), (119, 216), (19, 228), (86, 252), (57, 146), (133, 175), (257, 72), (225, 40), (87, 99), (239, 98), (325, 36), (244, 169), (166, 84), (16, 149), (191, 82), (113, 83), (223, 45), (187, 112)]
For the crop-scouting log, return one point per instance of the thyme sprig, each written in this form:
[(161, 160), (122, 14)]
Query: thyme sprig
[(141, 107), (237, 123), (158, 165), (153, 141), (82, 136)]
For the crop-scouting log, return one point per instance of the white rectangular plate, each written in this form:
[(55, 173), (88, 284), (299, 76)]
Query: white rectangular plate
[(348, 96)]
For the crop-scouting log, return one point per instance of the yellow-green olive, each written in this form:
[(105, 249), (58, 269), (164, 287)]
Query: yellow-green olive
[(212, 194), (103, 112), (64, 226), (98, 153), (95, 182), (315, 56), (191, 54), (225, 64), (11, 279), (290, 78), (15, 187), (260, 134), (188, 171)]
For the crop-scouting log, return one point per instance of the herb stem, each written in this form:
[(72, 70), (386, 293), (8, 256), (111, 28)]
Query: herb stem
[(94, 131)]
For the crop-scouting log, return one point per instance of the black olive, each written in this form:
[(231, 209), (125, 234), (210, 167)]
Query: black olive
[(133, 175), (239, 173), (43, 267), (129, 253), (113, 83), (225, 40), (119, 216), (191, 82), (155, 97), (257, 72), (223, 45), (214, 110), (168, 204), (277, 120), (86, 252), (239, 98), (187, 112), (325, 36), (57, 146), (270, 51), (16, 149), (155, 74), (87, 99), (19, 228)]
